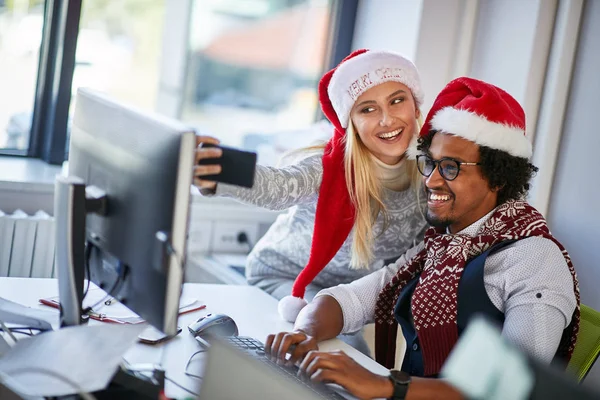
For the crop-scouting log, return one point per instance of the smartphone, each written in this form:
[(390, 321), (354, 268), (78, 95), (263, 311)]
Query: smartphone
[(151, 335), (237, 166)]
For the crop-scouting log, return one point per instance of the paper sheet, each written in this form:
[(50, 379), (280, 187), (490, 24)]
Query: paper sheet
[(117, 312), (67, 361)]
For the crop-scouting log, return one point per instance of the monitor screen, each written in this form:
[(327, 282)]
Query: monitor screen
[(143, 164)]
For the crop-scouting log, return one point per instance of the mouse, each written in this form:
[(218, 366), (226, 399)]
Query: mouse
[(214, 325)]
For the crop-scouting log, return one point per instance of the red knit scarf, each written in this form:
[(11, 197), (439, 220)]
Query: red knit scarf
[(440, 265)]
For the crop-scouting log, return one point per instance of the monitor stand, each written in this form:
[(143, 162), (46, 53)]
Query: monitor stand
[(72, 202)]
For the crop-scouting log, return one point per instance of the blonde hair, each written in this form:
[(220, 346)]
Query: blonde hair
[(366, 193), (365, 190)]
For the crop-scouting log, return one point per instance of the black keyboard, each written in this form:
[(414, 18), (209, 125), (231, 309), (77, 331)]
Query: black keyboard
[(256, 349)]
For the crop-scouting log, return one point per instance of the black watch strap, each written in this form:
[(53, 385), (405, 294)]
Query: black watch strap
[(400, 380)]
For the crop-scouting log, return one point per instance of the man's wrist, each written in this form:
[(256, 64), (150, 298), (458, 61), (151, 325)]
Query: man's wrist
[(387, 388), (400, 381), (306, 331)]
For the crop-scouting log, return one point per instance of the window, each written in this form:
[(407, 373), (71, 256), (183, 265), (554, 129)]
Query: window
[(21, 24), (118, 48), (253, 71), (248, 71)]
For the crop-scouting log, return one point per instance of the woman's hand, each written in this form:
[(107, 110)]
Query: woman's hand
[(203, 170), (297, 343), (337, 367)]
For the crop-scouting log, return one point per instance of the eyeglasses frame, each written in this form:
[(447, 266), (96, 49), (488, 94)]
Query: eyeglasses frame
[(437, 165)]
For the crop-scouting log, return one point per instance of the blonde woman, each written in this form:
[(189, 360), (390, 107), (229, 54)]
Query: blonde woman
[(352, 205)]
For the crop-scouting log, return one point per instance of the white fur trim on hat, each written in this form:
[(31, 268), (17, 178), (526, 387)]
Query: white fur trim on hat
[(411, 150), (289, 307), (358, 74), (479, 130)]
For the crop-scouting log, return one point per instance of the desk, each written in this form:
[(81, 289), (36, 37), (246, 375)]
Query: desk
[(254, 311), (216, 268)]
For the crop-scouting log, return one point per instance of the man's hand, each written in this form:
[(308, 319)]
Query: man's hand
[(337, 367), (297, 343)]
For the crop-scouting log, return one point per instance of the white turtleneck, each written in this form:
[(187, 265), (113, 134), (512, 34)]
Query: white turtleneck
[(393, 177)]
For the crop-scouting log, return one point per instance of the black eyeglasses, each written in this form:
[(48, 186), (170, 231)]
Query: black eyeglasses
[(447, 167)]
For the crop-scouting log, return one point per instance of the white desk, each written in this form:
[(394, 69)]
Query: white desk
[(254, 311)]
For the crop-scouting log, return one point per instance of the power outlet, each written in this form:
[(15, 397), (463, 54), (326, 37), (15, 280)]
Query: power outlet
[(225, 236)]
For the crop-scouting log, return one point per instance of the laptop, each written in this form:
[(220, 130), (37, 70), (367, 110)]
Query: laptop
[(233, 373)]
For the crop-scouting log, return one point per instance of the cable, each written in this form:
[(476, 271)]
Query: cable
[(120, 280), (87, 255), (7, 330), (22, 330), (19, 331), (179, 385), (80, 392), (185, 371)]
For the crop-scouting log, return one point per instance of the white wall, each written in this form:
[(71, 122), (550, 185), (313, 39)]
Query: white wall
[(573, 213), (512, 42)]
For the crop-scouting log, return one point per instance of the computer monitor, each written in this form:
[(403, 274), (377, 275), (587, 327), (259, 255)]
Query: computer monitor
[(122, 211)]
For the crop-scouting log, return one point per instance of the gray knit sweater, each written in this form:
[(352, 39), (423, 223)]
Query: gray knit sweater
[(283, 251)]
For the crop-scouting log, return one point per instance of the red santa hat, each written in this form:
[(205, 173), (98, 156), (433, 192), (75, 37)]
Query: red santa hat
[(334, 219), (482, 113)]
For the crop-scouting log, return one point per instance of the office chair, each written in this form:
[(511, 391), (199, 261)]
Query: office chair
[(587, 347)]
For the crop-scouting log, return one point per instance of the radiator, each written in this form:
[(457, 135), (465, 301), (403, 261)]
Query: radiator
[(27, 245)]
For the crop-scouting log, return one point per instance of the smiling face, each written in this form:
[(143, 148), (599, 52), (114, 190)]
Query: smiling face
[(385, 118), (458, 203)]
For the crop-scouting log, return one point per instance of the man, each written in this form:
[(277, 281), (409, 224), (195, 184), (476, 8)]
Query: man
[(488, 252)]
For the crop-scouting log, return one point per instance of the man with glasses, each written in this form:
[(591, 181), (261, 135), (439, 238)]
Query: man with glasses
[(488, 252)]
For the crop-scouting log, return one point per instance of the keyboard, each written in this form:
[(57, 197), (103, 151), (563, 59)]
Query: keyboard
[(255, 348)]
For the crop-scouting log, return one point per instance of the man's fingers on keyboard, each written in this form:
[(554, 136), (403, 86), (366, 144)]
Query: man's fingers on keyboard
[(302, 350), (307, 360), (298, 353), (288, 340), (269, 343), (322, 361), (326, 376), (275, 346)]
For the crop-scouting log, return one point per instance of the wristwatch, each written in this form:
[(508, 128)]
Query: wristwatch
[(400, 380)]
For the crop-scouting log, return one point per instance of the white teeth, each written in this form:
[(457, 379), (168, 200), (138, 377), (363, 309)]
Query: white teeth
[(439, 197), (390, 135)]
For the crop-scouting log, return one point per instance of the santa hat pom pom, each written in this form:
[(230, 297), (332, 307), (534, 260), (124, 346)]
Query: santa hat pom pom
[(411, 151), (289, 307)]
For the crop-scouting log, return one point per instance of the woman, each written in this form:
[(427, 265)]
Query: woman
[(353, 205)]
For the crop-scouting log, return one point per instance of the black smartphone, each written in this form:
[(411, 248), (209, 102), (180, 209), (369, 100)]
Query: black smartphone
[(151, 335), (237, 166)]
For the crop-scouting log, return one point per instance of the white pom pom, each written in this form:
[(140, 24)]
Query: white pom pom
[(411, 150), (289, 307)]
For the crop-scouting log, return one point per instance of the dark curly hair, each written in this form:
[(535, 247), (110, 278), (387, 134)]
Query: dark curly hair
[(509, 173)]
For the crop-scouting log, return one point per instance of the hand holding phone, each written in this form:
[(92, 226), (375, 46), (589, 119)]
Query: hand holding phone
[(233, 166), (205, 152)]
